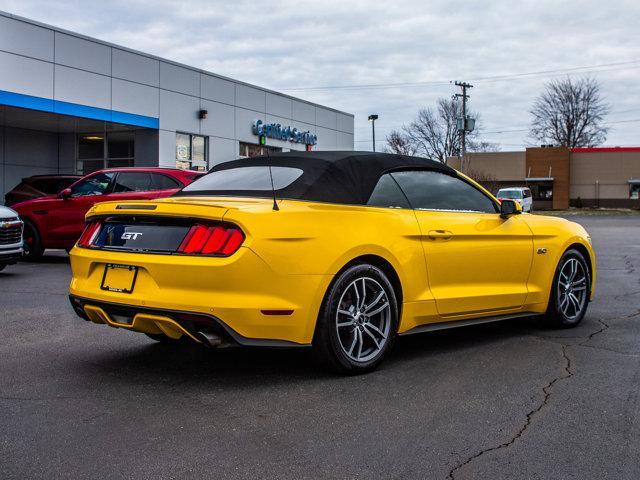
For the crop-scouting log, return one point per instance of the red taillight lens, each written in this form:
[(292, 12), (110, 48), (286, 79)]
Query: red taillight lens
[(89, 234), (219, 240), (195, 239)]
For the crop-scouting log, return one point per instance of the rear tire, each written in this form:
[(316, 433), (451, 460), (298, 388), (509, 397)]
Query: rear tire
[(358, 321), (570, 291), (32, 244)]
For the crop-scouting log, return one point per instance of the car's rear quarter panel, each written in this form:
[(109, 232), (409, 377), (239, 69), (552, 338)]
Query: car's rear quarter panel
[(306, 238)]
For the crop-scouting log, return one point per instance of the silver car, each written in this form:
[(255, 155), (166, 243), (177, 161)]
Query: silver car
[(10, 237)]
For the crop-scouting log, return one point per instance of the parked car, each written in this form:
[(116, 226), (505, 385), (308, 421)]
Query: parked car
[(10, 237), (56, 221), (522, 195), (338, 251), (38, 186)]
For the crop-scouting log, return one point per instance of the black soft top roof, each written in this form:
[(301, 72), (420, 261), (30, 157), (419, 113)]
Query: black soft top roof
[(334, 176)]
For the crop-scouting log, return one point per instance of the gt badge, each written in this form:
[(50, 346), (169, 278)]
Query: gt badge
[(130, 235)]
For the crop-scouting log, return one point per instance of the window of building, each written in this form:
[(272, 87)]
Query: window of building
[(96, 151), (120, 149), (542, 192), (634, 190), (191, 152), (429, 190), (253, 150)]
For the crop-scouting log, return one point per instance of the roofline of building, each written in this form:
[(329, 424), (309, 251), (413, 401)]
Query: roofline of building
[(161, 59), (604, 149)]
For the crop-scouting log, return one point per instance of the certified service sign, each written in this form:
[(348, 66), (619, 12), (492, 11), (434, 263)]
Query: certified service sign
[(288, 134)]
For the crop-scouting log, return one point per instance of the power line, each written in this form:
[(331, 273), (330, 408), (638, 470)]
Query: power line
[(486, 79)]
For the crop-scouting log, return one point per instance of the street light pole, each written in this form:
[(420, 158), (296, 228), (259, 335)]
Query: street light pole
[(372, 119)]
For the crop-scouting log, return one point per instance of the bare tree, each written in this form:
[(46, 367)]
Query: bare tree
[(570, 113), (485, 179), (398, 142), (434, 133)]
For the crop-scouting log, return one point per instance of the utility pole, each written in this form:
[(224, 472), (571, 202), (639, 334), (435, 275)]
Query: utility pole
[(463, 126), (372, 119)]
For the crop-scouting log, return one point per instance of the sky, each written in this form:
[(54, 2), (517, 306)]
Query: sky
[(389, 58)]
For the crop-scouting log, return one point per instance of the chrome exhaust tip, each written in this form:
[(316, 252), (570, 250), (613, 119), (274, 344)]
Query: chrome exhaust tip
[(210, 339)]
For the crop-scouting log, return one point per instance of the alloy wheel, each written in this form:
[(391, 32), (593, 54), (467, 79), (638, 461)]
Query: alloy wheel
[(363, 319), (572, 288)]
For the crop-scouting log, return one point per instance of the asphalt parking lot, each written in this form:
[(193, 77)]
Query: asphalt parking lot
[(510, 400)]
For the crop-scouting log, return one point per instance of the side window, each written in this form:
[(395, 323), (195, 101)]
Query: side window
[(387, 194), (428, 190), (94, 185), (527, 193), (133, 182), (163, 182)]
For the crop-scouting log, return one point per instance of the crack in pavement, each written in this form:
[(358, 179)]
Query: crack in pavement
[(604, 326), (566, 373)]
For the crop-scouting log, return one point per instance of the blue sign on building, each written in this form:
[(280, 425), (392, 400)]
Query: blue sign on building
[(288, 134)]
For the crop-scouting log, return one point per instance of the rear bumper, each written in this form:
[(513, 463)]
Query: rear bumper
[(229, 295), (172, 323)]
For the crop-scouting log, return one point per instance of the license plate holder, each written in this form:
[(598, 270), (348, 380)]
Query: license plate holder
[(119, 278)]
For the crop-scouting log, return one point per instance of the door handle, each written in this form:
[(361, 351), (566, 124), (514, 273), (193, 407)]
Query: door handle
[(440, 234)]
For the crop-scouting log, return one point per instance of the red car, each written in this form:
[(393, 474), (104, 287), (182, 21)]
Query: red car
[(38, 186), (56, 221)]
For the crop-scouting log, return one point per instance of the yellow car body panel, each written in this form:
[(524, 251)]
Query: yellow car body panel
[(488, 266)]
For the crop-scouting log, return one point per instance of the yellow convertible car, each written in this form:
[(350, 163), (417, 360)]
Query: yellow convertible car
[(340, 251)]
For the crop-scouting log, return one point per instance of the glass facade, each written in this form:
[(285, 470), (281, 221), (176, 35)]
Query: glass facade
[(191, 152), (96, 151)]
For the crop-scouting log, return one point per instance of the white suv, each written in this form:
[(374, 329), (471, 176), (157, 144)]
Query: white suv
[(10, 237), (522, 195)]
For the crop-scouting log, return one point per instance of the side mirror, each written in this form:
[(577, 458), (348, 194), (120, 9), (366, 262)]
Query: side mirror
[(65, 194), (509, 207)]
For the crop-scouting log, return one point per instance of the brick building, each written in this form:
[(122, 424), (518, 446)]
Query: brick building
[(560, 177)]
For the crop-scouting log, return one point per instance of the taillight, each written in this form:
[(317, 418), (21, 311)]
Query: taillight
[(89, 234), (218, 240)]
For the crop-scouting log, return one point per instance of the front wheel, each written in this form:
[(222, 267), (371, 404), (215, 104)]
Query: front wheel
[(32, 246), (570, 291), (358, 321)]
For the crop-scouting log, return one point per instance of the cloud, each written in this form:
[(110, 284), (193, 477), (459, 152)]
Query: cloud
[(285, 44)]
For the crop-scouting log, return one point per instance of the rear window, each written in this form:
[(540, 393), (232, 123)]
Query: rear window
[(254, 178), (514, 194), (53, 185), (163, 182)]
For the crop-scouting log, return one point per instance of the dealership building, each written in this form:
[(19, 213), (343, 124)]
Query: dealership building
[(74, 104), (561, 177)]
